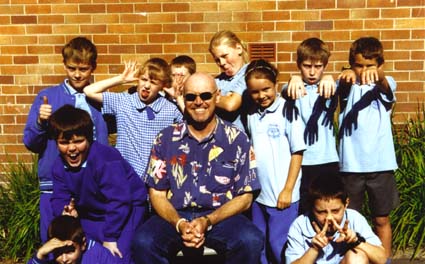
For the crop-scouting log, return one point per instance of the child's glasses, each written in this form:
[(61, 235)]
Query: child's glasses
[(190, 97)]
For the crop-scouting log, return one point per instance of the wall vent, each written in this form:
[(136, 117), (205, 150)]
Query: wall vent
[(265, 51)]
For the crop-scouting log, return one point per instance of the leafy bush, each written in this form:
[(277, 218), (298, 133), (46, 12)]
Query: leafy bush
[(19, 214), (408, 219)]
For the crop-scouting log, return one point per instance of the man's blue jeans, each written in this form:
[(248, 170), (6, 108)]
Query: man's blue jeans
[(236, 238)]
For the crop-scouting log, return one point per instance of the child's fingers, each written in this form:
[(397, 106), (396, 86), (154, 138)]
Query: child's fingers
[(316, 227), (45, 101)]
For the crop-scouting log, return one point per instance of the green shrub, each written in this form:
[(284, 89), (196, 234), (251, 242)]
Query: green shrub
[(19, 214), (408, 219)]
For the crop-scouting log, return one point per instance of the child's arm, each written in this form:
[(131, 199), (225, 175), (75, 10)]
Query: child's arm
[(296, 89), (376, 75), (130, 74), (285, 196), (51, 245)]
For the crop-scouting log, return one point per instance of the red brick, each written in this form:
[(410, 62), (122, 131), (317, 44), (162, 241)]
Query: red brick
[(162, 18), (189, 17), (173, 28), (364, 13), (119, 8), (409, 45), (232, 6), (260, 26), (25, 59), (380, 24), (177, 48), (65, 9), (409, 65), (189, 38), (305, 15), (409, 3), (335, 14), (288, 5), (418, 55), (24, 19), (51, 19), (6, 79), (39, 29), (133, 39), (148, 28), (351, 4), (395, 12), (322, 4), (107, 18), (223, 16), (147, 49), (279, 15), (381, 3), (204, 27), (147, 7), (176, 7), (204, 6), (93, 29), (162, 38), (418, 12), (65, 29), (247, 16), (12, 9), (262, 5), (131, 18), (318, 25), (290, 26), (92, 8)]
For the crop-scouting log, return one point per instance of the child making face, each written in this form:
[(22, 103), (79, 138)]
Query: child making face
[(329, 232)]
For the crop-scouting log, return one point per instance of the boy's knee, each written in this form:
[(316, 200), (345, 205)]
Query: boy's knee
[(357, 257)]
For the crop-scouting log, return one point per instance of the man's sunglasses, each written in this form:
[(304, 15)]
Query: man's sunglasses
[(190, 97)]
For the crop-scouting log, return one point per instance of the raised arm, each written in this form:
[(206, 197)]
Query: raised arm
[(130, 74)]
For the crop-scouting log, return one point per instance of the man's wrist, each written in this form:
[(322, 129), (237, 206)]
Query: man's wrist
[(209, 223), (181, 220)]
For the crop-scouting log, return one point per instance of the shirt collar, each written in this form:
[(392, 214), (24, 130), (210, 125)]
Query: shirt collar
[(156, 105)]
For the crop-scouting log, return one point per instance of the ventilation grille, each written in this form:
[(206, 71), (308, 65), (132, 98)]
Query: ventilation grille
[(265, 51)]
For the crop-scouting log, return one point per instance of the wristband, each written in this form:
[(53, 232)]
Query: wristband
[(359, 240), (178, 223)]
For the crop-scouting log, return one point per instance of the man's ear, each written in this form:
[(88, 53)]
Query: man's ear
[(217, 95)]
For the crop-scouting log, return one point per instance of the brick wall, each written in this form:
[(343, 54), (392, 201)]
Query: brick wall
[(32, 33)]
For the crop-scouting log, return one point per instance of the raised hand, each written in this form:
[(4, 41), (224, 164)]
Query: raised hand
[(345, 234), (131, 72), (51, 245), (320, 240), (327, 86), (45, 111), (70, 209), (295, 88), (347, 76)]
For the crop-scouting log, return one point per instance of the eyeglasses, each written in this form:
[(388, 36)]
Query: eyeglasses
[(190, 97)]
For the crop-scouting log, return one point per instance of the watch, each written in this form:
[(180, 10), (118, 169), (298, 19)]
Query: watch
[(359, 240), (209, 224)]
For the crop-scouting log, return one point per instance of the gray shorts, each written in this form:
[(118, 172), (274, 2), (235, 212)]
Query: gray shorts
[(381, 189)]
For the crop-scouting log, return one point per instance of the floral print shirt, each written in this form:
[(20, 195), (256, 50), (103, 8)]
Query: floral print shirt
[(204, 174)]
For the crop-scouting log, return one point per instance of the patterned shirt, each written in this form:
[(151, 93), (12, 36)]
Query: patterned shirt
[(135, 132), (204, 174)]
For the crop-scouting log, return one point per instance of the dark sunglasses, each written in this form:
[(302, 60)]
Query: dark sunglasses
[(190, 97)]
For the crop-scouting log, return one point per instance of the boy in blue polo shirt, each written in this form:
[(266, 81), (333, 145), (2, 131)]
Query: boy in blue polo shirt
[(314, 95), (329, 232), (366, 148)]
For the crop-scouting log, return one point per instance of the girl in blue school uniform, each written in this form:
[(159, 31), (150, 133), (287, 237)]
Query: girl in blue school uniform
[(93, 182), (278, 145)]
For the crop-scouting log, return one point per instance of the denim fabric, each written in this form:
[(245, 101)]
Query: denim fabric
[(156, 241)]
